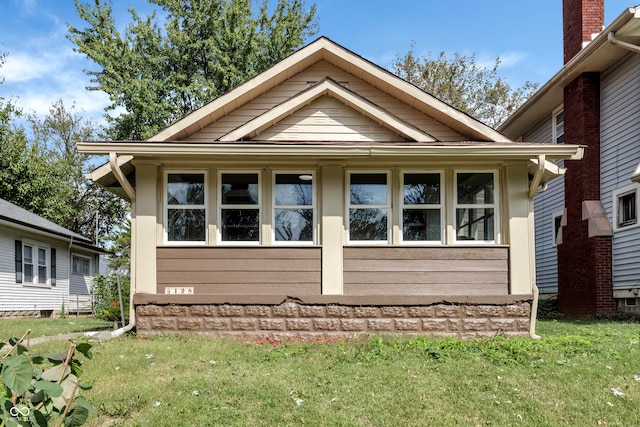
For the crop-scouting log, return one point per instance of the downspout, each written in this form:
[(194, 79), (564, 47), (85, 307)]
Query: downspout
[(613, 40), (126, 186), (533, 189), (537, 178)]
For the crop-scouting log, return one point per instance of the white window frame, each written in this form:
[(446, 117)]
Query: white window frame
[(387, 206), (166, 207), (82, 257), (617, 194), (495, 206), (259, 206), (35, 280), (554, 125), (440, 206), (554, 236), (313, 206)]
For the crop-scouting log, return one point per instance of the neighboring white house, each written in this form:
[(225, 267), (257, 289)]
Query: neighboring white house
[(42, 265)]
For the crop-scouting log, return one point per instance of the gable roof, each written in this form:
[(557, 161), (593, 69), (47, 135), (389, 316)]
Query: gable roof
[(323, 49), (23, 218), (601, 53)]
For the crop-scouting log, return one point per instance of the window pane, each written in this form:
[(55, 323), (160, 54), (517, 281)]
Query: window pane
[(421, 188), (240, 225), (42, 275), (421, 224), (185, 189), (240, 188), (294, 225), (368, 224), (80, 266), (368, 189), (42, 256), (475, 188), (474, 224), (294, 190), (560, 128), (28, 254), (186, 225), (28, 273)]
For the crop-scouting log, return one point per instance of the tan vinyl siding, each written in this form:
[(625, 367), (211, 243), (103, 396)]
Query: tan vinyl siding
[(316, 73), (327, 119), (426, 271), (225, 270)]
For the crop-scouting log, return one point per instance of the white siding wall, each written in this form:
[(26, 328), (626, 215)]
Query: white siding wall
[(545, 206), (620, 155), (20, 297)]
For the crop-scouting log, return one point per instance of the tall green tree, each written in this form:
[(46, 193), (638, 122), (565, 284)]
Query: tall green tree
[(166, 65), (463, 83)]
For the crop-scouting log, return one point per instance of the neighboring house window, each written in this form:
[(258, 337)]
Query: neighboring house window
[(239, 207), (422, 208), (368, 207), (186, 218), (36, 264), (293, 207), (475, 206), (558, 127), (625, 206), (557, 228), (80, 265)]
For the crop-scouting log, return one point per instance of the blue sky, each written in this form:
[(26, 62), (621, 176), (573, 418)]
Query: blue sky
[(527, 36)]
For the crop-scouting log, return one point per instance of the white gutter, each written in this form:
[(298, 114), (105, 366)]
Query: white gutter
[(117, 172), (613, 40)]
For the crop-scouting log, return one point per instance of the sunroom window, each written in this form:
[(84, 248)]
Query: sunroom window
[(475, 206), (369, 206), (421, 207), (240, 207), (186, 207), (293, 213)]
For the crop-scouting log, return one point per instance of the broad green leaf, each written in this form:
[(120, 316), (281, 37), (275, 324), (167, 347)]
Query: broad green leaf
[(85, 349), (54, 373), (52, 389), (69, 386), (81, 401), (76, 417), (17, 373), (40, 418)]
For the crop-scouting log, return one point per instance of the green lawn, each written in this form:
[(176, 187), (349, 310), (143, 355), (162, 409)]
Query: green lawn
[(45, 326), (578, 374)]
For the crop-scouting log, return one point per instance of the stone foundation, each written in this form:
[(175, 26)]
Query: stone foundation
[(296, 318)]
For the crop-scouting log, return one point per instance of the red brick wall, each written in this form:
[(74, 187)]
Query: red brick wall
[(584, 264), (581, 19)]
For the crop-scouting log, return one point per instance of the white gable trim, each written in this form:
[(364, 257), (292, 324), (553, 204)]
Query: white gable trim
[(331, 88)]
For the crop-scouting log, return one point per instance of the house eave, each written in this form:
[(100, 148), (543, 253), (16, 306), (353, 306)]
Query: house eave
[(596, 56), (158, 150), (30, 228)]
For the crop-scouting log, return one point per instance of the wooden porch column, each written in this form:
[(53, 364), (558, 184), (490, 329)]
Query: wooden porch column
[(520, 231), (145, 230), (332, 228)]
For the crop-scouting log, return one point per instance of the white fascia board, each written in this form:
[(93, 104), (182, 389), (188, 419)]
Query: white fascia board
[(155, 150)]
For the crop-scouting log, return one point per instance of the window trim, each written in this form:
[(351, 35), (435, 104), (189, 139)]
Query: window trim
[(313, 206), (554, 125), (166, 207), (388, 207), (495, 205), (35, 247), (554, 233), (84, 257), (441, 206), (219, 206), (616, 195)]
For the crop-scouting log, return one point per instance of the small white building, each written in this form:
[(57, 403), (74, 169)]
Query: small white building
[(43, 265)]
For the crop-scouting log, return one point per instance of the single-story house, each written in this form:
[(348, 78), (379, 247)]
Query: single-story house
[(43, 265), (587, 228), (328, 197)]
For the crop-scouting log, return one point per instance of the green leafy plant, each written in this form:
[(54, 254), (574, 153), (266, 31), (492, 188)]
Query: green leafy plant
[(37, 390)]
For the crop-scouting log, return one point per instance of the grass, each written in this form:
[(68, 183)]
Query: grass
[(578, 374), (47, 327)]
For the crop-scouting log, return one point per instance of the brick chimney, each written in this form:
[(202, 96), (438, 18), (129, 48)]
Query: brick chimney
[(581, 20), (585, 286)]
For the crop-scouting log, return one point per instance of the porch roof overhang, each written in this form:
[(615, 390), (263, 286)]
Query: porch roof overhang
[(130, 151)]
